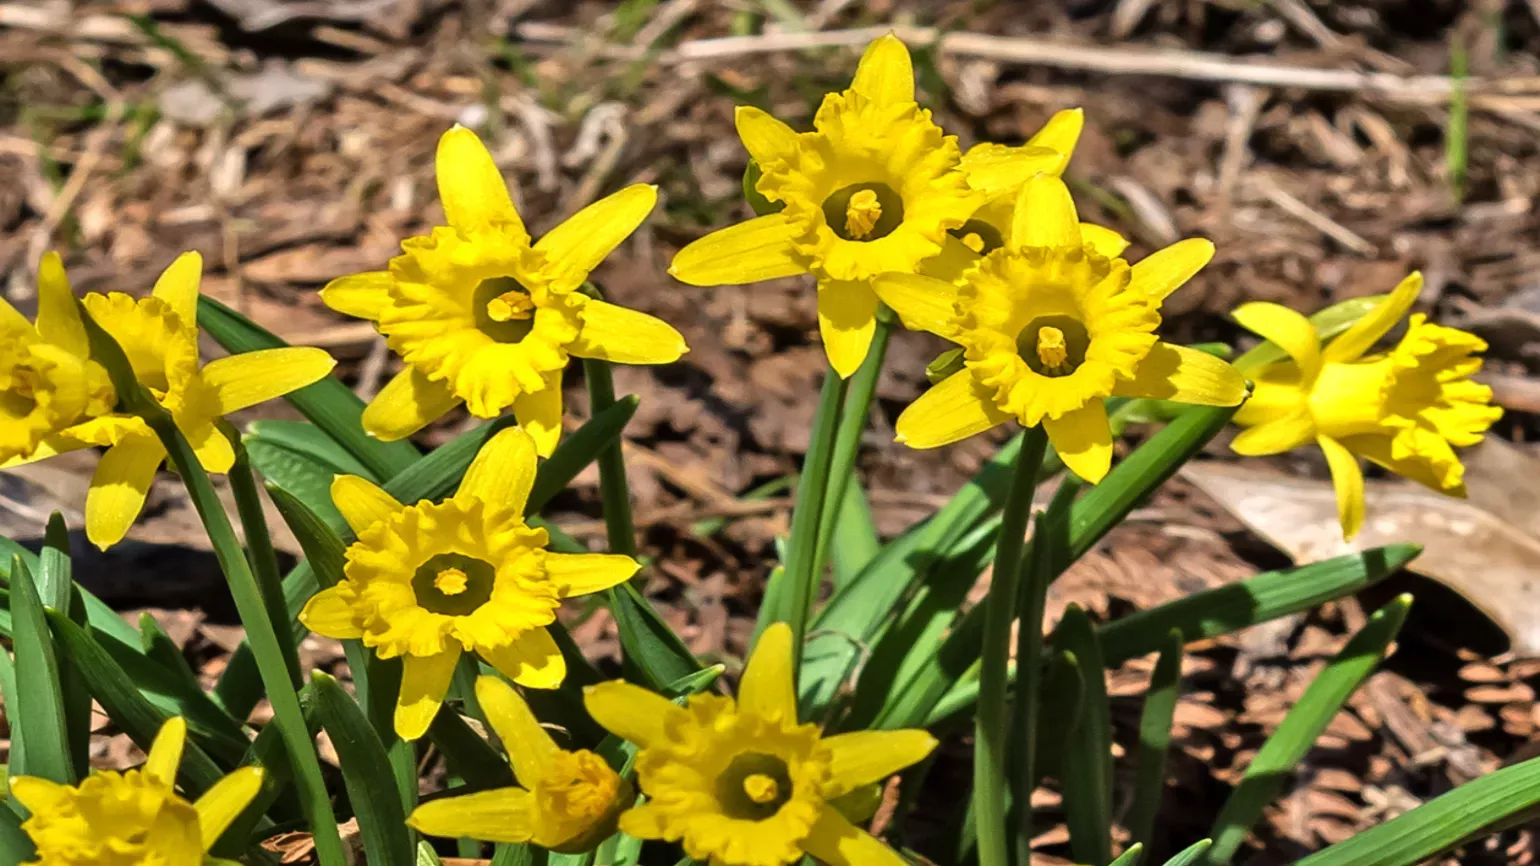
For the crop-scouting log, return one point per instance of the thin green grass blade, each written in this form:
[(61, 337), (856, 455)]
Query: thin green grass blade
[(1275, 763), (1131, 856), (1155, 739), (854, 543), (43, 727), (98, 613), (8, 695), (161, 649), (1267, 596), (366, 774), (329, 404), (57, 591), (578, 450), (1191, 853), (1087, 756), (308, 440)]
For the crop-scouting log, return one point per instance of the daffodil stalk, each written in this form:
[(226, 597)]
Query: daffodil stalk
[(259, 548), (990, 763), (620, 527)]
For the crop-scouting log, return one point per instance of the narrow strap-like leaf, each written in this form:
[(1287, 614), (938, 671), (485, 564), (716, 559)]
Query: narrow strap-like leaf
[(366, 773), (1155, 738), (1086, 776), (42, 728)]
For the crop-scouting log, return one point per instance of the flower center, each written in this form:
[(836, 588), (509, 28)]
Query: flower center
[(504, 309), (864, 211), (578, 785), (979, 236), (754, 786), (1053, 345), (453, 584), (19, 398)]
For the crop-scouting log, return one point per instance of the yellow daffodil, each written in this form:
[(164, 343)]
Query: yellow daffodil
[(429, 581), (1406, 409), (481, 315), (159, 334), (740, 782), (875, 187), (569, 800), (48, 382), (135, 818), (1051, 324)]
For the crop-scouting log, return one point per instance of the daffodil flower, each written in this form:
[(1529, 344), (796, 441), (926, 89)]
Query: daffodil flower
[(48, 382), (875, 187), (741, 783), (482, 316), (134, 817), (1051, 324), (1406, 409), (159, 335), (430, 581), (568, 802)]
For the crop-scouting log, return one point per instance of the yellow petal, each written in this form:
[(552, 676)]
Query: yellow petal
[(1061, 133), (39, 794), (1377, 449), (922, 303), (178, 287), (533, 660), (1164, 271), (1083, 439), (58, 319), (529, 747), (847, 319), (748, 252), (578, 245), (471, 187), (1105, 241), (330, 614), (424, 682), (499, 815), (764, 137), (503, 471), (539, 413), (955, 409), (362, 295), (999, 170), (118, 488), (1289, 330), (631, 712), (166, 751), (614, 333), (240, 381), (886, 74), (1348, 479), (863, 757), (1185, 375), (582, 573), (1275, 436), (1045, 215), (362, 502), (1365, 332), (834, 841), (222, 804), (407, 403), (213, 448), (766, 689)]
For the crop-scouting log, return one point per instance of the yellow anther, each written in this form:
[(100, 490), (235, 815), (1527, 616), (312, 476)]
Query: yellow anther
[(862, 214), (1051, 348), (450, 581), (509, 306), (761, 788), (973, 241)]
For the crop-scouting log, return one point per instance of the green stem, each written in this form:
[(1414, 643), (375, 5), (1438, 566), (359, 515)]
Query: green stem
[(260, 553), (613, 489), (993, 720), (847, 442), (802, 566)]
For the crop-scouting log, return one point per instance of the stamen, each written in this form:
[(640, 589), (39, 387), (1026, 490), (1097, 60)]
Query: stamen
[(451, 581), (974, 242), (1052, 351), (761, 788), (510, 306), (862, 214)]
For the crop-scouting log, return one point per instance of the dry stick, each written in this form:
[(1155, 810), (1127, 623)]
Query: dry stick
[(1314, 218)]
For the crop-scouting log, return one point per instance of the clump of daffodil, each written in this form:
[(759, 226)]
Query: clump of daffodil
[(1405, 409), (430, 581), (568, 800), (483, 316), (48, 382), (741, 783), (1051, 324), (159, 335), (875, 187), (134, 818)]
